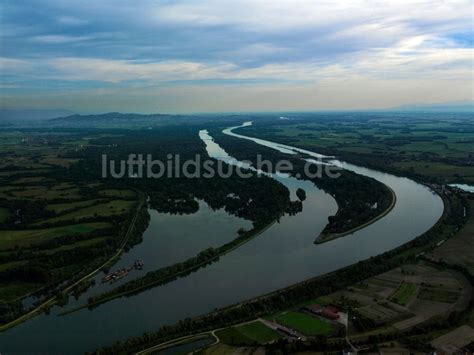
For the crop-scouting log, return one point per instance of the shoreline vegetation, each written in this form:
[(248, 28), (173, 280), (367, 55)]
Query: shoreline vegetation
[(301, 292), (326, 237)]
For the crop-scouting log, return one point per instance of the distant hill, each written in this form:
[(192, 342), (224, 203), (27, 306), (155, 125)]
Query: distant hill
[(12, 115), (107, 117), (459, 106)]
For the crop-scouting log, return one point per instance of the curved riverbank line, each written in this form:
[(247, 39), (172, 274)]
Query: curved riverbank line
[(326, 237)]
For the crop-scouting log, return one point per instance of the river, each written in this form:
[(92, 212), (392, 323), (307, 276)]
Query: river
[(282, 255)]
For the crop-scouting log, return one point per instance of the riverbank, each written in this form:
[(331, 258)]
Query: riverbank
[(326, 237)]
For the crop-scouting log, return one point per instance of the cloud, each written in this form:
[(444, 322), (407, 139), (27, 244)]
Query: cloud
[(72, 21), (13, 65), (413, 57), (258, 44), (115, 71), (284, 15), (60, 39)]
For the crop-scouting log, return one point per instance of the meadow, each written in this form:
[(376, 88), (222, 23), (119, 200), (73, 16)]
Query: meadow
[(304, 323)]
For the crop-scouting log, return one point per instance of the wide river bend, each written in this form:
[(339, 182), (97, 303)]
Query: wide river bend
[(282, 255)]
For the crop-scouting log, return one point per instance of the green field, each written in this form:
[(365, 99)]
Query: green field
[(232, 336), (304, 323), (259, 332), (248, 334), (12, 238), (404, 294), (439, 295)]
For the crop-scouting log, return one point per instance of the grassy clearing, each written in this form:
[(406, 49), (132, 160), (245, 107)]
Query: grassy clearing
[(258, 332), (439, 295), (248, 334), (404, 294), (21, 238), (232, 336), (304, 323)]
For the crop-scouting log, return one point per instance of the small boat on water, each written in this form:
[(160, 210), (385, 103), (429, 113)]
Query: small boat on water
[(121, 273)]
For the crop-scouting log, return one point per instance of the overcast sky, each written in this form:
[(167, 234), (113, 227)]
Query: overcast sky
[(239, 55)]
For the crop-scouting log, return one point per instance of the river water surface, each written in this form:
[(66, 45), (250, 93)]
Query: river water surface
[(282, 255)]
